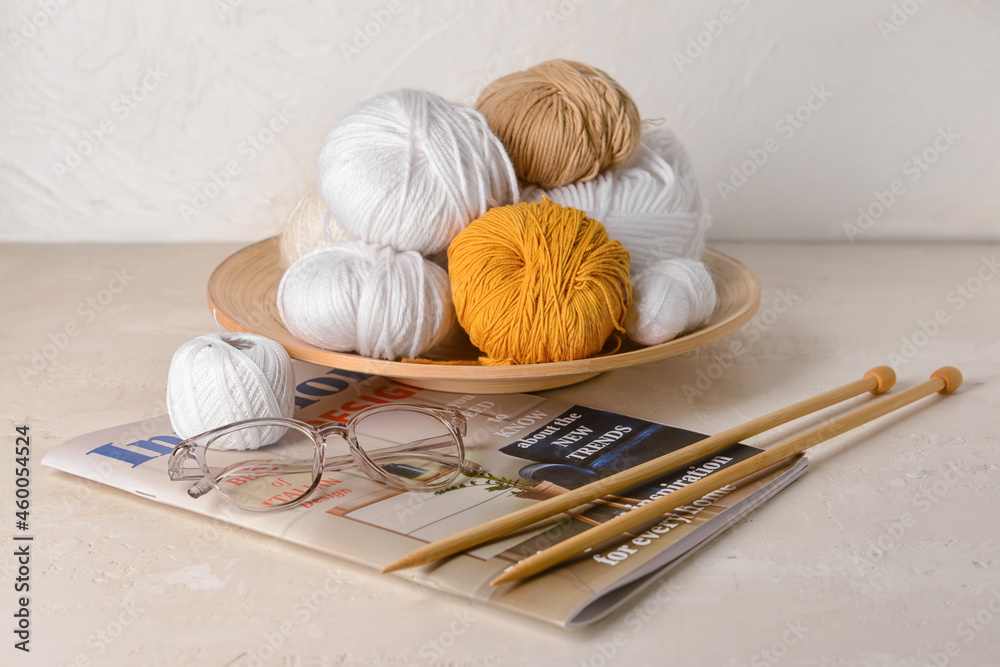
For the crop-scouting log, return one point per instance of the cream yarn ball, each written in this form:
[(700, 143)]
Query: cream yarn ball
[(217, 379), (410, 170), (370, 299), (309, 226), (653, 205)]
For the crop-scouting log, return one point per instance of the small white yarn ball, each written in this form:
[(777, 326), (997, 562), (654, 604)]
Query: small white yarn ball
[(218, 379), (669, 297), (367, 298), (309, 226), (410, 170), (654, 207)]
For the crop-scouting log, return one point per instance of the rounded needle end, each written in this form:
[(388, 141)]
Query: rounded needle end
[(952, 378), (885, 378)]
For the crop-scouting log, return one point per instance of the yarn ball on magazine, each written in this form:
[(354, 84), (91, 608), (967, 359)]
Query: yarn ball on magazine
[(217, 379), (562, 121), (409, 170), (355, 296), (538, 282)]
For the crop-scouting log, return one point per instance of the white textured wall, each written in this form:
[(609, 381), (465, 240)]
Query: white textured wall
[(170, 92)]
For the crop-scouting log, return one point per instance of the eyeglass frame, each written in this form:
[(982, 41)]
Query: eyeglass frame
[(188, 451)]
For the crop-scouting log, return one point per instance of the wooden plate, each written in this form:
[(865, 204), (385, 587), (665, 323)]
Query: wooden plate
[(243, 291)]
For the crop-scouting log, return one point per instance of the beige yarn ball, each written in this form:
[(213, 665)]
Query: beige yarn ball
[(310, 226), (562, 122)]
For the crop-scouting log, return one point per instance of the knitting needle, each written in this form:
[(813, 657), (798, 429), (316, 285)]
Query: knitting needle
[(877, 380), (944, 380)]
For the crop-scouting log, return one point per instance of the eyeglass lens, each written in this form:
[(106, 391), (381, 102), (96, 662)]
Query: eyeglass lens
[(410, 448), (263, 467)]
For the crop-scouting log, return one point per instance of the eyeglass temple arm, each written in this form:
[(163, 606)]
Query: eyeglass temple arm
[(347, 461)]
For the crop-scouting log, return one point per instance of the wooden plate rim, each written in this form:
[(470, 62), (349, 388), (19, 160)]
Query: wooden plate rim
[(298, 349)]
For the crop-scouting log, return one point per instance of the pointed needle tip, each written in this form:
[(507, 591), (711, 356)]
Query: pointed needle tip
[(392, 567)]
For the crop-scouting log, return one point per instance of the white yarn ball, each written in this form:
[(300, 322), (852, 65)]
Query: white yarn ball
[(652, 204), (215, 380), (668, 298), (309, 226), (410, 170), (367, 298)]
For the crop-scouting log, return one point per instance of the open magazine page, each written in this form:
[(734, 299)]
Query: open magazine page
[(530, 447)]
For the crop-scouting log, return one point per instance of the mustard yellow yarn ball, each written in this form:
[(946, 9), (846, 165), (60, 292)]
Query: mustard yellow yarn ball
[(538, 282)]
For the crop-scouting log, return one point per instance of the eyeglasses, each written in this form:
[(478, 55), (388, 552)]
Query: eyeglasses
[(277, 463)]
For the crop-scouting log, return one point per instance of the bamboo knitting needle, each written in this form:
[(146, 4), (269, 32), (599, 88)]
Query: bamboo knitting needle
[(944, 380), (877, 380)]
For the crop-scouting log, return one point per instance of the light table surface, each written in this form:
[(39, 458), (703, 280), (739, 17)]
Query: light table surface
[(886, 553)]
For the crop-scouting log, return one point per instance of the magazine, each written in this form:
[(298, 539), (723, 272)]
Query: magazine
[(529, 447)]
